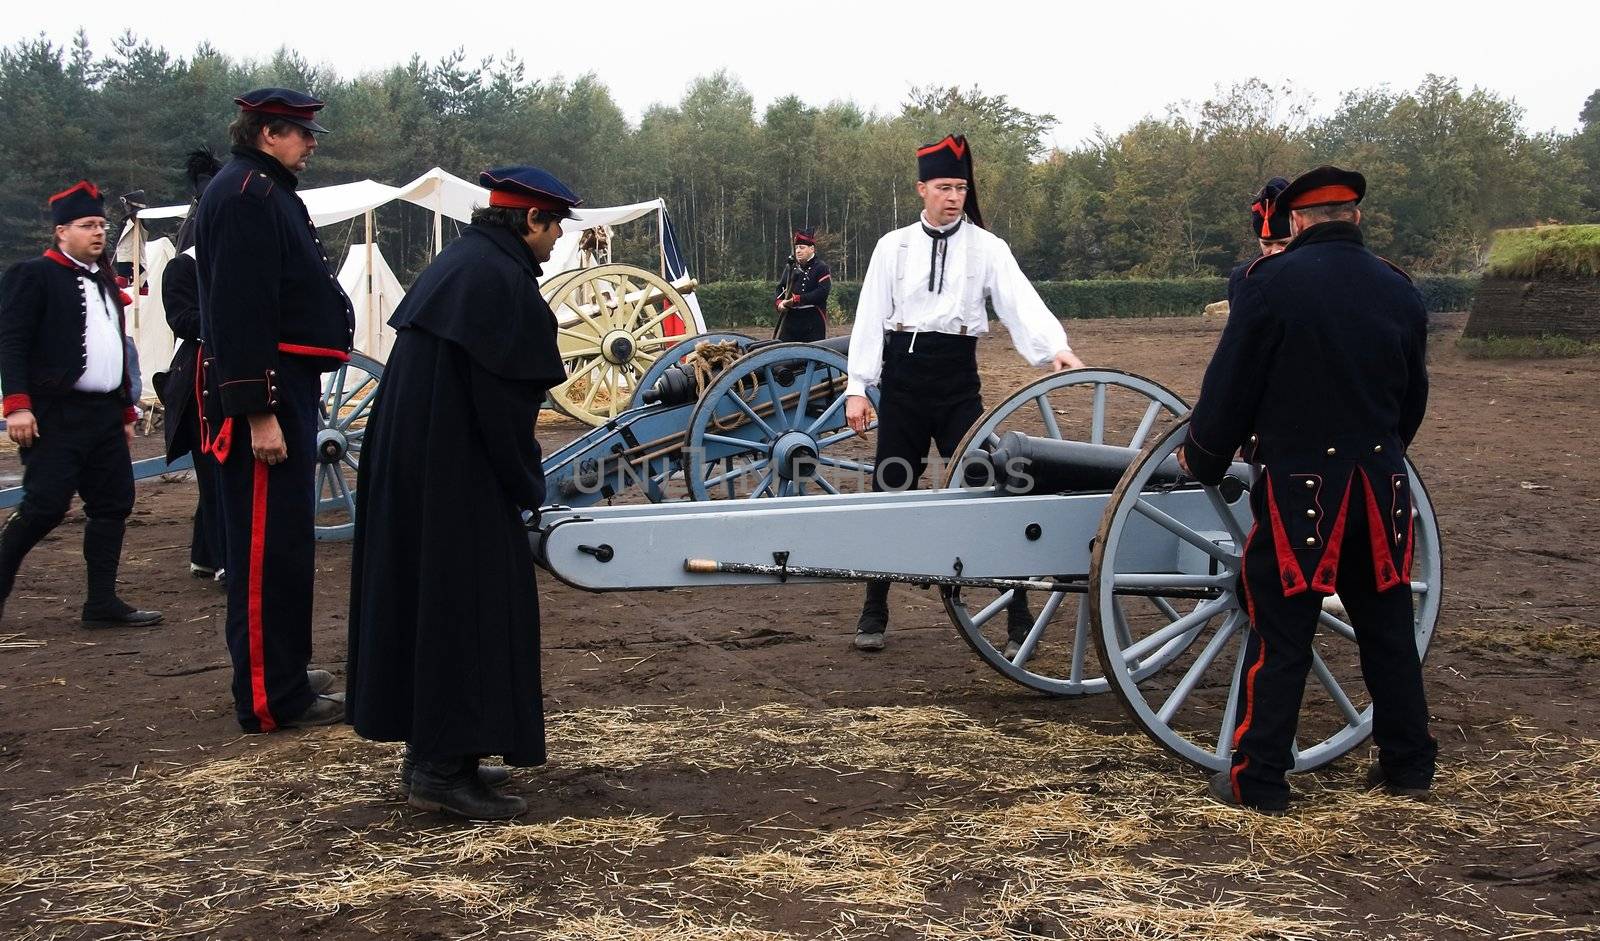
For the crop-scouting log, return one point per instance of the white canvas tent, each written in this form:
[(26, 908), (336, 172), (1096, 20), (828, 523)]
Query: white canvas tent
[(375, 298)]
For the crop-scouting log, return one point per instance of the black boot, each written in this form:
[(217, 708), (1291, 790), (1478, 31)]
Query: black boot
[(453, 786), (102, 550), (492, 775), (874, 620), (1019, 622), (19, 535)]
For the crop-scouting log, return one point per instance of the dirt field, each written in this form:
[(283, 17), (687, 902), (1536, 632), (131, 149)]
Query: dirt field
[(725, 766)]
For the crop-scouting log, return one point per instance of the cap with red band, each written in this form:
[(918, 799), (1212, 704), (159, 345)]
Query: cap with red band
[(523, 187), (292, 106), (1324, 186)]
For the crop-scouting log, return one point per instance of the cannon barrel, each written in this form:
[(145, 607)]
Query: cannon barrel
[(1025, 464), (677, 387)]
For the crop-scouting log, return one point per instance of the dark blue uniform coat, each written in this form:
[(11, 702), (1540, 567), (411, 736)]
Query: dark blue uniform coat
[(1320, 376), (273, 318), (809, 285), (444, 613)]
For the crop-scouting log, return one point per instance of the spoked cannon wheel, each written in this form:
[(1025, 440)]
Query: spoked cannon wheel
[(1097, 406), (348, 394), (772, 425), (612, 326), (1167, 541)]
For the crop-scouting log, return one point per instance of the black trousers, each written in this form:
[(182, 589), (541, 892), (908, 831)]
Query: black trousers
[(929, 393), (208, 545), (269, 516), (1277, 661), (82, 448), (802, 325)]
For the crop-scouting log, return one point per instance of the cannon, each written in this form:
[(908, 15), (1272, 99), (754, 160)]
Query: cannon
[(614, 322), (768, 424), (1069, 491)]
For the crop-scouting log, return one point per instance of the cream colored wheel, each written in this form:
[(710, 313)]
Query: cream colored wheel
[(613, 322)]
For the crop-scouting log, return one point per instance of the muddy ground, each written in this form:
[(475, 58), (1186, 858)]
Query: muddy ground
[(724, 765)]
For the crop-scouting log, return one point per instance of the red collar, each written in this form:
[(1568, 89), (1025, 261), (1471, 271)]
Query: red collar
[(62, 260)]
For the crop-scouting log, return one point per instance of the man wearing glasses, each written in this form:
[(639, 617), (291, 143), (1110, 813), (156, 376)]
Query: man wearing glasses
[(68, 403)]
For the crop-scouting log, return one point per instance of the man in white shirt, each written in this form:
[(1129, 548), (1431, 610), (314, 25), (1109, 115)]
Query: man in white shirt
[(69, 400), (917, 325)]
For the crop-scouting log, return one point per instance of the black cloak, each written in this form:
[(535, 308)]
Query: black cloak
[(444, 613)]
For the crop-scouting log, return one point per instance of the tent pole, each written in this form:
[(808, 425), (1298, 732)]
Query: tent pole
[(438, 231), (138, 272), (371, 301)]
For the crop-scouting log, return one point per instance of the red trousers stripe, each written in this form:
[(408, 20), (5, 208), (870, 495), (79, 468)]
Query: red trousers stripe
[(258, 551)]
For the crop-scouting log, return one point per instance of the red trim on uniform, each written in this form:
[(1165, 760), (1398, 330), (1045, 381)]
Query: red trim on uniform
[(60, 259), (16, 402), (1250, 675), (1263, 208), (1378, 535), (1289, 573), (130, 415), (1326, 578), (258, 552), (298, 350), (282, 110), (1324, 196), (509, 200), (127, 299), (826, 277), (1254, 263), (84, 185)]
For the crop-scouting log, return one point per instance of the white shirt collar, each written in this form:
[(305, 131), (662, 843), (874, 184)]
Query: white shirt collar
[(940, 228), (92, 267)]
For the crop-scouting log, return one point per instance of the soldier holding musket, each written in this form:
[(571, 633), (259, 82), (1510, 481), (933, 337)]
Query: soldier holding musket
[(803, 292)]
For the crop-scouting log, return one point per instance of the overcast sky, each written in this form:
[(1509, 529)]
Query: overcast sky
[(1100, 65)]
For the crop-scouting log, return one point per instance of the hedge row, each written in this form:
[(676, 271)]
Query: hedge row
[(749, 303)]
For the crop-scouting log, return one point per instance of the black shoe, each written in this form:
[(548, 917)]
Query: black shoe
[(119, 612), (201, 571), (324, 710), (1377, 779), (1220, 789), (491, 775), (320, 681), (454, 787)]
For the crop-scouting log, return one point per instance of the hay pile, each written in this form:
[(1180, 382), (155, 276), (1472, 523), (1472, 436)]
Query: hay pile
[(981, 830)]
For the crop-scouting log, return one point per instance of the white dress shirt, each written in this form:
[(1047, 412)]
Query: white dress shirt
[(977, 264), (102, 336)]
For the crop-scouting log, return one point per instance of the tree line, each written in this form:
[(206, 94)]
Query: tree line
[(1167, 197)]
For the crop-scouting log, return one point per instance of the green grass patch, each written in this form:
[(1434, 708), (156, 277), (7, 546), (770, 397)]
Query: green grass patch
[(1559, 251), (1548, 346)]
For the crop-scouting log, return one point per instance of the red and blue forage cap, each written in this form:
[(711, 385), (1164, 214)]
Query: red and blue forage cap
[(1269, 219), (1324, 186), (292, 106), (528, 188), (805, 236), (951, 159), (78, 201)]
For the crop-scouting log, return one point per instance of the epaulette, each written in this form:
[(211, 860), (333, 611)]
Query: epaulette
[(257, 184), (1397, 269), (1258, 261)]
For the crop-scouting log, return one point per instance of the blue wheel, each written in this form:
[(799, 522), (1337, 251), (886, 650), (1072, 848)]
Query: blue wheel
[(772, 425)]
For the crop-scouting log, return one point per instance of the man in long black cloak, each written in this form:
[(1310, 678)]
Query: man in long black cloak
[(444, 615)]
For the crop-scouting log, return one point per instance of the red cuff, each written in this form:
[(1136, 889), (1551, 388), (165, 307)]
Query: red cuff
[(130, 415), (16, 403)]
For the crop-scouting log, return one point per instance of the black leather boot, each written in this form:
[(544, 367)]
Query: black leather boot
[(492, 775), (452, 786), (19, 535), (1019, 622), (102, 551), (874, 620)]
